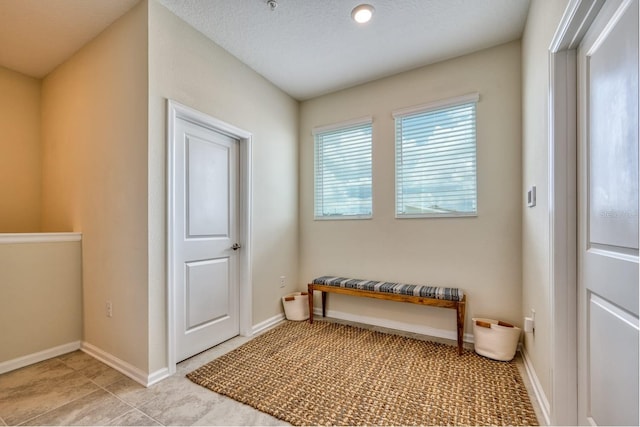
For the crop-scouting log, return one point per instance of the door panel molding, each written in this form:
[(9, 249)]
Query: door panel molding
[(175, 112), (618, 335), (607, 221), (202, 307), (201, 155)]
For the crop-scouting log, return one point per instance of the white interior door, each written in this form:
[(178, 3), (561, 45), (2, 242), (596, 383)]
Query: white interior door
[(608, 218), (206, 267)]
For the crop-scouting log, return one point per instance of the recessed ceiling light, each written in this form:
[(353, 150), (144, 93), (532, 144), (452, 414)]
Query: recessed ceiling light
[(362, 13)]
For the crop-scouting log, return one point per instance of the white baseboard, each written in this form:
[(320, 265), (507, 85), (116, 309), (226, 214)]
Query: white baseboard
[(140, 377), (32, 358), (127, 369), (163, 373), (266, 324), (157, 376), (394, 324), (537, 387)]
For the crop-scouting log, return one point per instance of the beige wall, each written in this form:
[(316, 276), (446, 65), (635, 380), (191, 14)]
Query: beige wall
[(103, 173), (40, 300), (20, 162), (481, 255), (544, 17), (190, 69), (94, 127)]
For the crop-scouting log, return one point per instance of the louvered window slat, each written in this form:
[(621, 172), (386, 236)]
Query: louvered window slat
[(343, 172), (436, 169)]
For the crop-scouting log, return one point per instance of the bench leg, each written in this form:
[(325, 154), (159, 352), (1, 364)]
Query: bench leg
[(310, 296), (460, 311), (324, 304)]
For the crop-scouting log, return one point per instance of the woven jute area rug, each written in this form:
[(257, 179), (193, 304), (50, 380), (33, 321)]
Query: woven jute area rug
[(333, 374)]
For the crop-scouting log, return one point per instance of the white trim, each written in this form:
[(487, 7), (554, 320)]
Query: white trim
[(176, 110), (562, 236), (562, 193), (341, 217), (617, 15), (30, 359), (171, 318), (157, 376), (246, 235), (441, 103), (577, 18), (201, 119), (437, 215), (120, 365), (394, 324), (269, 323), (39, 237), (342, 125), (538, 391)]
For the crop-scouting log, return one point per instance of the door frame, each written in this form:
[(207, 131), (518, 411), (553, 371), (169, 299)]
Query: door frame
[(176, 111), (563, 219)]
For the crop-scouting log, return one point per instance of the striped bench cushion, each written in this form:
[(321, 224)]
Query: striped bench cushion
[(451, 294)]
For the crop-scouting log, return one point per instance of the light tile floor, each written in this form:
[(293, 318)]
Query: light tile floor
[(76, 389)]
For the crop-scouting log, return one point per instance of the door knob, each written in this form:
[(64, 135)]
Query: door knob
[(236, 246)]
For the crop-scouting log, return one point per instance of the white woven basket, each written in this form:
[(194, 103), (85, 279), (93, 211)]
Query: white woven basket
[(497, 342), (296, 306)]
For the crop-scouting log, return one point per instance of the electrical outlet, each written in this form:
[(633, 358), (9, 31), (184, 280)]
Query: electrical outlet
[(109, 308), (282, 283)]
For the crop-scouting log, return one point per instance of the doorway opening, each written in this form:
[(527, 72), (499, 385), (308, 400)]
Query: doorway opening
[(563, 209)]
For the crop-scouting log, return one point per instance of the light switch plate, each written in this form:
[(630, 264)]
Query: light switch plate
[(531, 196)]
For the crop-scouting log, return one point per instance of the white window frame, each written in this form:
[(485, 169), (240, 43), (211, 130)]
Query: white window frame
[(426, 108), (318, 130)]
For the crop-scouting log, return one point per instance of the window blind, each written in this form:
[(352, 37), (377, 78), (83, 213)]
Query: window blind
[(343, 172), (436, 161)]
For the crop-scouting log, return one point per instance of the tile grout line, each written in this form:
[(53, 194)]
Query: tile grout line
[(133, 407), (57, 407), (120, 400), (130, 404), (150, 417), (104, 388), (99, 387), (22, 422)]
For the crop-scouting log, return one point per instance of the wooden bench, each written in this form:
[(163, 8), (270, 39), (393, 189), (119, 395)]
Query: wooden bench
[(452, 298)]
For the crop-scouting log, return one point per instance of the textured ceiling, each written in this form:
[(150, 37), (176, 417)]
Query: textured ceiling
[(305, 47), (38, 35), (312, 47)]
